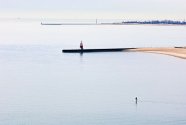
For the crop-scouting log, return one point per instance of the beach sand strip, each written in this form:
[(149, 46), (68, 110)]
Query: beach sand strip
[(176, 52)]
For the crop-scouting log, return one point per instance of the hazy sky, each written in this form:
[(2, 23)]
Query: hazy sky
[(130, 9)]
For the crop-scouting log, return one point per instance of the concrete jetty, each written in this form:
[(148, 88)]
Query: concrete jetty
[(95, 50)]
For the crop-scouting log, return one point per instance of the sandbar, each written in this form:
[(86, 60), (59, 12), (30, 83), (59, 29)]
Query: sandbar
[(179, 52)]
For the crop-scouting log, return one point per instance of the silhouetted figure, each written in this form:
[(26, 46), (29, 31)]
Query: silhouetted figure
[(136, 99), (81, 45)]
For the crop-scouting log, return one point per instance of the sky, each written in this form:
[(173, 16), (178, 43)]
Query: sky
[(90, 9)]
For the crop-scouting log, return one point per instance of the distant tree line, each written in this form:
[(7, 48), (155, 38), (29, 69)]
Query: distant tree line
[(155, 22)]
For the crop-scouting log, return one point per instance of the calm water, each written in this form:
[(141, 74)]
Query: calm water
[(41, 85)]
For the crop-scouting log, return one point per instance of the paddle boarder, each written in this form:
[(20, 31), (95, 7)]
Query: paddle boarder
[(136, 99), (81, 45)]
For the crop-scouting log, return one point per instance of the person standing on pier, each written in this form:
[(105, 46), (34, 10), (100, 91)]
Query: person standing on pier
[(81, 45)]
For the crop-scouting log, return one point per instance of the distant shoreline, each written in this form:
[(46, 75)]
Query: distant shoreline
[(179, 52), (158, 22), (113, 24), (152, 22), (155, 24)]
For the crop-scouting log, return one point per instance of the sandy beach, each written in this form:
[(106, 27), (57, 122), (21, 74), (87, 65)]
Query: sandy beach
[(176, 52)]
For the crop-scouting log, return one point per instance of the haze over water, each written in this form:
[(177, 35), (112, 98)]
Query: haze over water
[(41, 85)]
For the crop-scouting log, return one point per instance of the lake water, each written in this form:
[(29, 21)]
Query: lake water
[(41, 85)]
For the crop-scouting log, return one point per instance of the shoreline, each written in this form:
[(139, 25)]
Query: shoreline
[(179, 52), (115, 24)]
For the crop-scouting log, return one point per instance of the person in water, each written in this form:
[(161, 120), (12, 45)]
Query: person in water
[(81, 45), (136, 99)]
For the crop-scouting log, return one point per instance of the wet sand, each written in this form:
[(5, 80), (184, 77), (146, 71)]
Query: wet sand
[(176, 52)]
